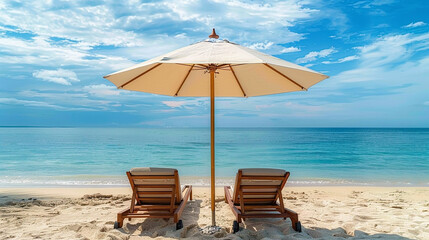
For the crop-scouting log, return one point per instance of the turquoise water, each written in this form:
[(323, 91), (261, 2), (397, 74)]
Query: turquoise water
[(326, 156)]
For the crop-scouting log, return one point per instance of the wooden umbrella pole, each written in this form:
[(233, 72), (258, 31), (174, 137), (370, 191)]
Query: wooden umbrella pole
[(212, 128)]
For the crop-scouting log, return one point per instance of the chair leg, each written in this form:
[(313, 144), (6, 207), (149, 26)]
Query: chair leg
[(120, 220), (294, 218)]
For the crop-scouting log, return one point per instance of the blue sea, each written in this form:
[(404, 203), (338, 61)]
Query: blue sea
[(99, 157)]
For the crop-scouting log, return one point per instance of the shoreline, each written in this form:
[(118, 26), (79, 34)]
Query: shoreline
[(112, 181)]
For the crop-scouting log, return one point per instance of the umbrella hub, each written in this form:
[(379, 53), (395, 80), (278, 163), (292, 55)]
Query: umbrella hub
[(214, 38), (214, 35), (212, 67)]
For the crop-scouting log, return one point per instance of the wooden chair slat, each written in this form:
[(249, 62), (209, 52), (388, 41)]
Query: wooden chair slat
[(254, 200), (154, 186), (262, 178), (155, 192), (153, 177), (259, 193), (259, 186)]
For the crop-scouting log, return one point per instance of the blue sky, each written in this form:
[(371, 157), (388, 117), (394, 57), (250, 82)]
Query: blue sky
[(53, 55)]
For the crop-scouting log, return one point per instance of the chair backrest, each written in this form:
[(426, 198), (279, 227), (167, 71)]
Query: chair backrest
[(259, 185), (155, 185)]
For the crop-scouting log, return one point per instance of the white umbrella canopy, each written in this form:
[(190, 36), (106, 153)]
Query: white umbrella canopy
[(241, 72), (215, 68)]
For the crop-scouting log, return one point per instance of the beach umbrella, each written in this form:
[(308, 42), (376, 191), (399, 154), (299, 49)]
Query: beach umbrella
[(215, 68)]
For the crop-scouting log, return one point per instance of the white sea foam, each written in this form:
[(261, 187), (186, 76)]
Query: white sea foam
[(197, 181)]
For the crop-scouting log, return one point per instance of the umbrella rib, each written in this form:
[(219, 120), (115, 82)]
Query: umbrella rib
[(281, 74), (236, 79), (150, 69), (234, 65), (189, 65), (202, 65), (184, 79)]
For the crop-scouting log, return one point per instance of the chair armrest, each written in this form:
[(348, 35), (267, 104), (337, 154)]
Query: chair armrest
[(182, 204), (228, 199)]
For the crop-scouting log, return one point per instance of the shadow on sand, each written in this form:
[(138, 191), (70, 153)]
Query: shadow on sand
[(154, 227), (250, 229)]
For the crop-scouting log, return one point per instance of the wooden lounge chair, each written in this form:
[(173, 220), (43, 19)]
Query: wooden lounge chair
[(156, 194), (258, 194)]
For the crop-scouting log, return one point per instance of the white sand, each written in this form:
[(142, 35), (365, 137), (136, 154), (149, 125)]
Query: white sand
[(325, 213)]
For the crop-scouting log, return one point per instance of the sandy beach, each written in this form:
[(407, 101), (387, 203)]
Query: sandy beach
[(325, 213)]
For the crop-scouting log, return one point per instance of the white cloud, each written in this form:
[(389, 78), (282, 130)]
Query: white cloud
[(60, 76), (174, 104), (93, 24), (181, 35), (189, 104), (259, 21), (40, 51), (261, 45), (312, 56), (377, 59), (69, 33), (392, 48), (120, 24), (290, 49), (341, 60), (415, 24), (102, 90)]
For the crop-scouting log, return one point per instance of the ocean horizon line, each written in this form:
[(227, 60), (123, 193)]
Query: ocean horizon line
[(208, 127)]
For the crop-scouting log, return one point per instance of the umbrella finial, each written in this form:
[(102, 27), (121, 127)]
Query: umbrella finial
[(214, 35)]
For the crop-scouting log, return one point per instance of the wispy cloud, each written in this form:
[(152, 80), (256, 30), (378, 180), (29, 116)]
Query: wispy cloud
[(60, 76), (31, 103), (290, 49), (392, 48), (174, 104), (188, 104), (341, 60), (372, 3), (415, 24), (261, 45), (41, 51), (312, 56), (102, 90)]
